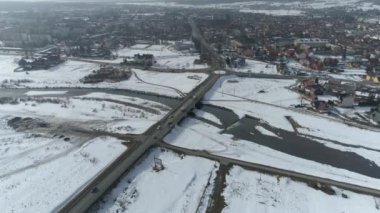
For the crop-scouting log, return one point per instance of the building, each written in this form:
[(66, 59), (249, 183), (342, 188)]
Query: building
[(184, 45), (311, 42)]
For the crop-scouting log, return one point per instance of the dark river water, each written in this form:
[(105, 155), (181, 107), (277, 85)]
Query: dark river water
[(292, 144)]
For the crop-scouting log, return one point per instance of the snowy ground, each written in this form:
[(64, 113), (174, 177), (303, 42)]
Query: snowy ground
[(250, 191), (37, 173), (253, 66), (69, 73), (37, 93), (183, 186), (207, 116), (95, 111), (275, 12), (165, 56), (270, 91), (180, 62), (159, 51)]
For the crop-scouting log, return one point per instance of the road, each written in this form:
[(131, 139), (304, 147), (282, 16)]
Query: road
[(87, 195), (272, 170), (217, 62)]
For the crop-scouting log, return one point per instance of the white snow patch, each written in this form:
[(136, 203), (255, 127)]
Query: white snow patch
[(250, 191), (36, 93), (177, 188)]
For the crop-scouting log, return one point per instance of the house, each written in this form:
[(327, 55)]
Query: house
[(311, 42), (145, 59), (311, 87), (184, 45), (320, 105)]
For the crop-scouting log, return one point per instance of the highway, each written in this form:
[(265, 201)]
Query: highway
[(272, 170), (87, 195)]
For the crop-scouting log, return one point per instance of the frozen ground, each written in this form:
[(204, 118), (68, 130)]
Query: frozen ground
[(250, 191), (197, 135), (253, 66), (37, 93), (207, 116), (275, 12), (38, 172), (270, 91), (69, 73), (180, 62), (159, 51), (165, 56), (184, 185), (100, 111)]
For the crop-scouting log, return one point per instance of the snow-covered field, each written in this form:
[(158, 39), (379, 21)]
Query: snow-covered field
[(250, 191), (159, 51), (275, 12), (183, 186), (180, 62), (125, 115), (69, 73), (253, 66), (165, 56), (270, 91), (37, 173)]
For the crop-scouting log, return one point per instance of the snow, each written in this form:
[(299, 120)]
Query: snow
[(180, 187), (264, 131), (36, 93), (127, 99), (185, 82), (250, 191), (275, 12), (157, 50), (207, 116), (69, 73), (39, 173), (327, 98), (270, 91), (165, 56), (196, 135), (180, 62), (131, 115), (253, 66)]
